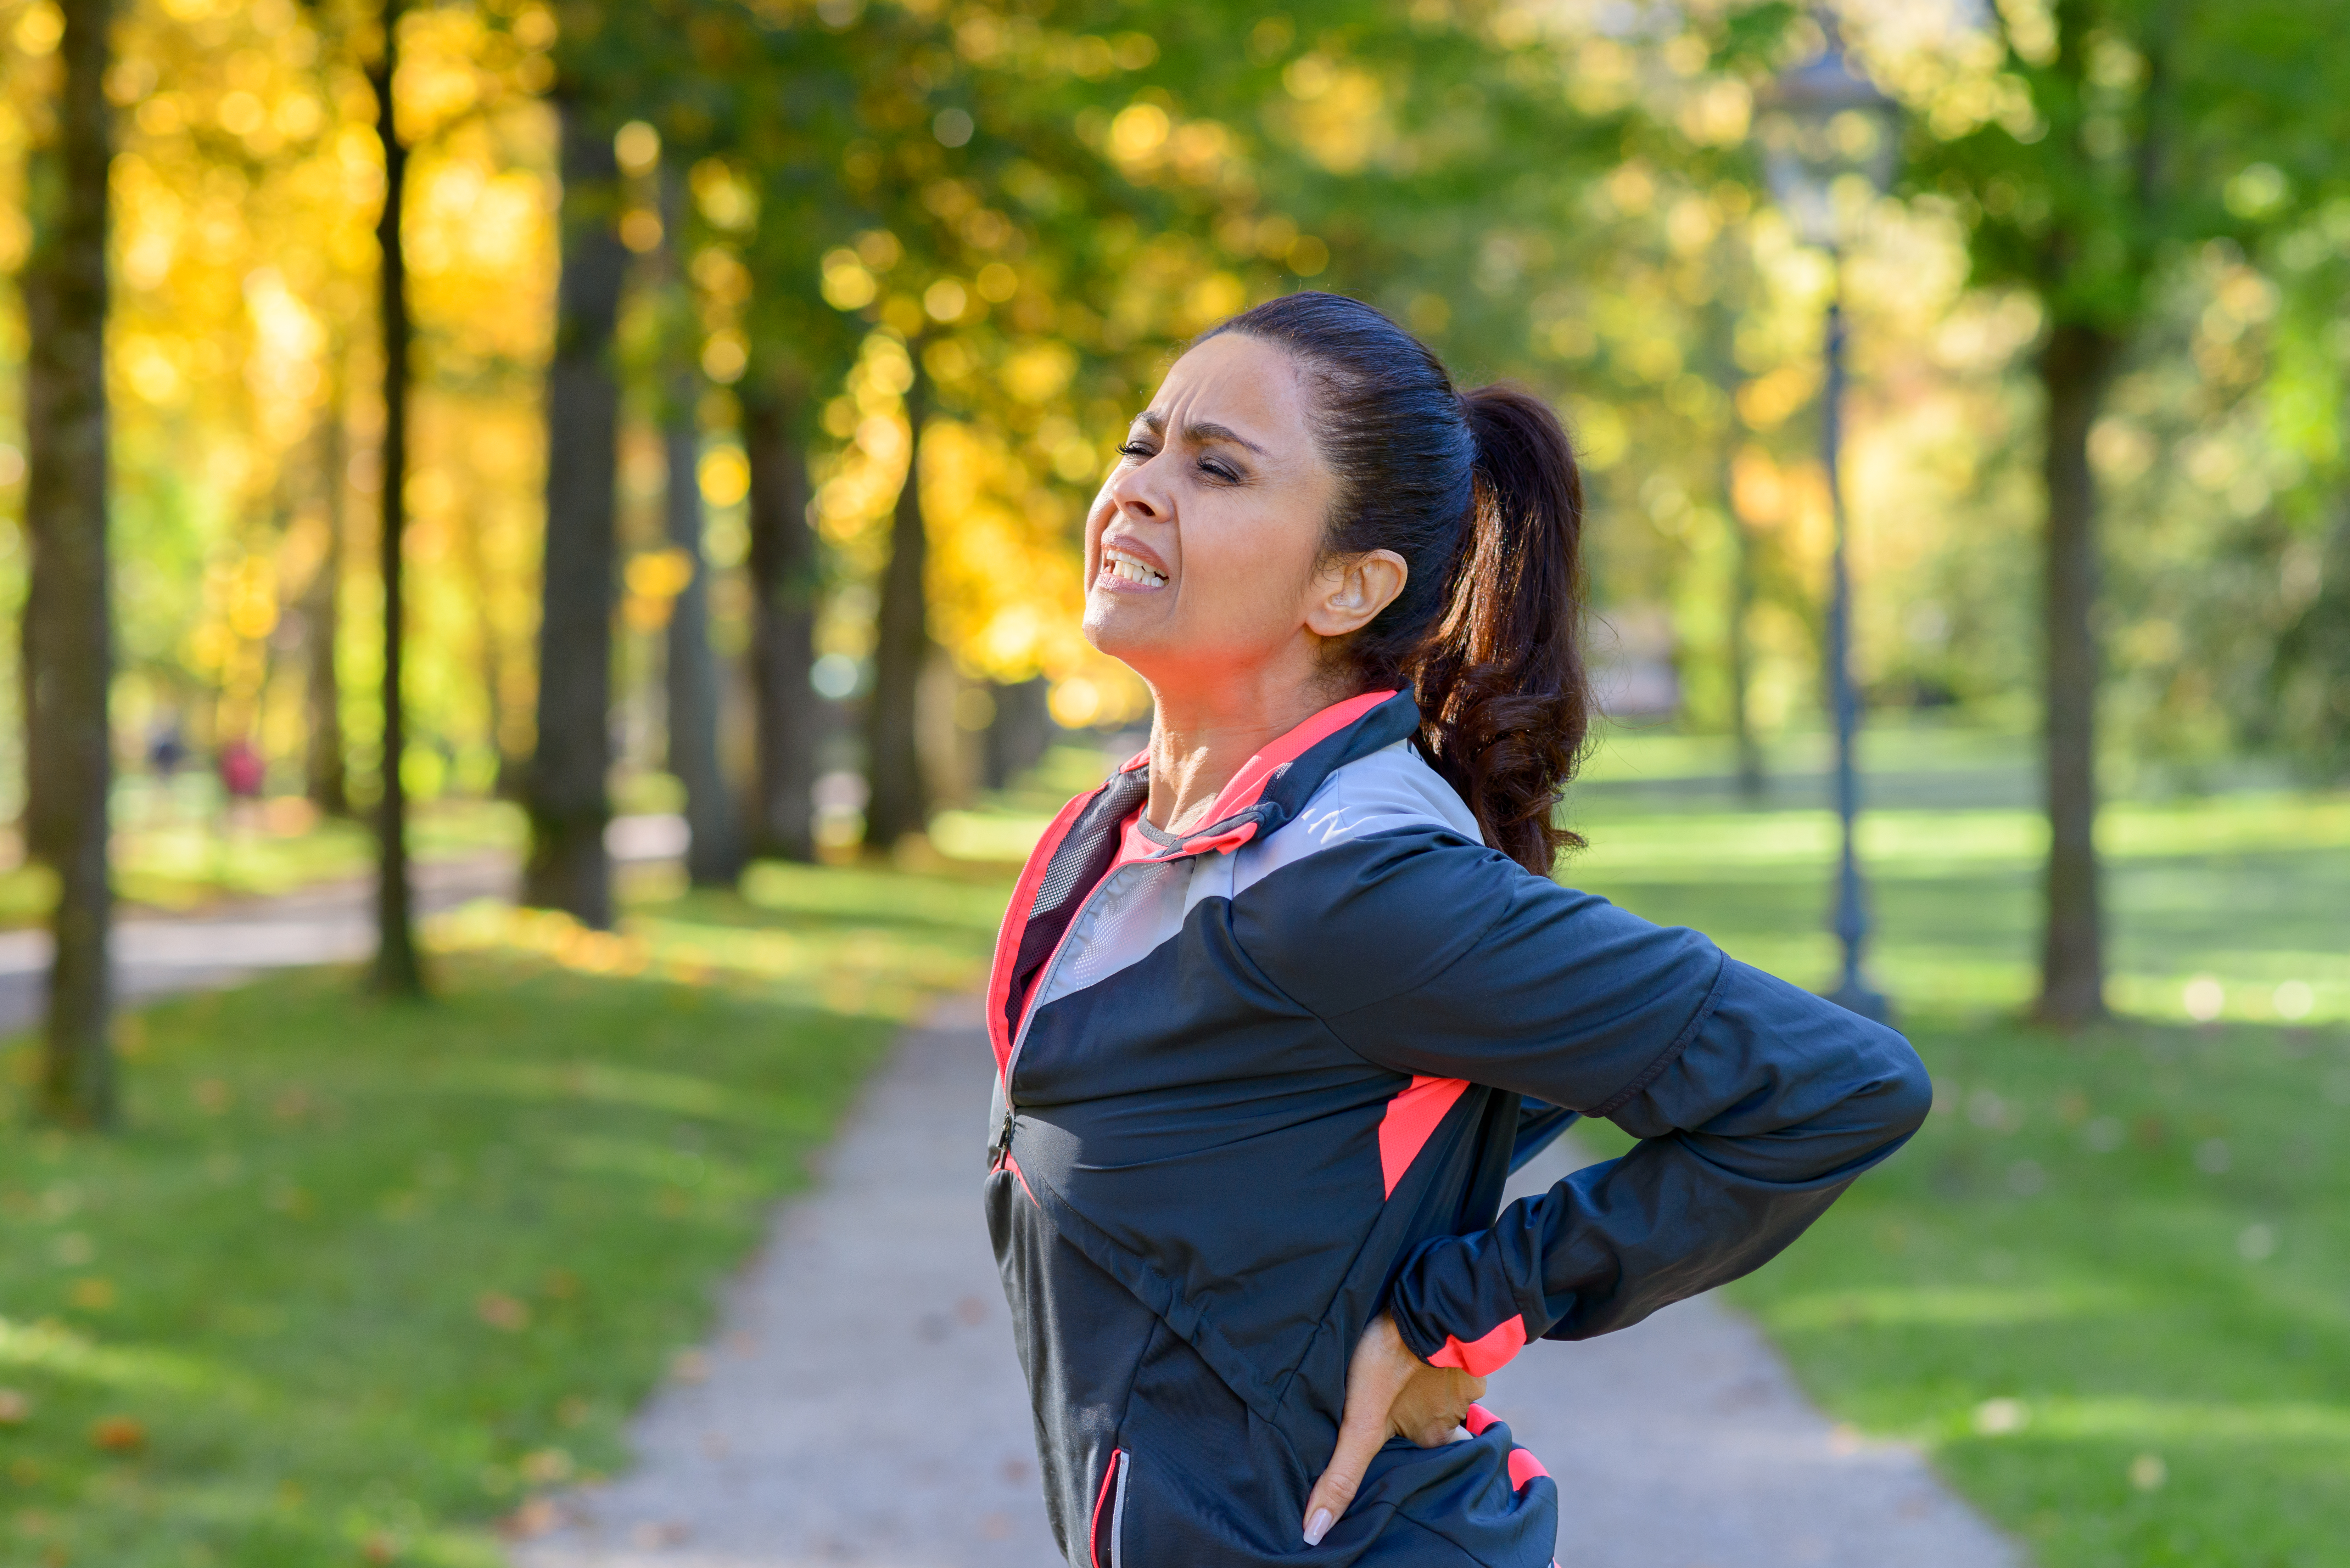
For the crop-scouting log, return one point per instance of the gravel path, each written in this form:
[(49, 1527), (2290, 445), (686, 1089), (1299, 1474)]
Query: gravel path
[(861, 1406)]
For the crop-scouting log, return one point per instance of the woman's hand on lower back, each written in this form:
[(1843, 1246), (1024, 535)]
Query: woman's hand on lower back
[(1391, 1392)]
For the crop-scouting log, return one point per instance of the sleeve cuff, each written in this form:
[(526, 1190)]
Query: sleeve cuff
[(1483, 1356), (1449, 1311)]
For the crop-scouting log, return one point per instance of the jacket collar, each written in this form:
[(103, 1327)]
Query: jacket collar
[(1275, 784)]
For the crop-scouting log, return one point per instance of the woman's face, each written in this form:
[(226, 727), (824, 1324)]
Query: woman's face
[(1202, 551)]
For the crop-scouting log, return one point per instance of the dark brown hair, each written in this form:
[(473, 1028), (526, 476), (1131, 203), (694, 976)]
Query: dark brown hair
[(1480, 494)]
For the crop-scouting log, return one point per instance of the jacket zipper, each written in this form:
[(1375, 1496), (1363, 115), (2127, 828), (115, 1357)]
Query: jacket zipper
[(1110, 1510), (1002, 1147)]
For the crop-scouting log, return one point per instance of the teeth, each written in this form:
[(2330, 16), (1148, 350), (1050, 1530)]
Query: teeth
[(1126, 569)]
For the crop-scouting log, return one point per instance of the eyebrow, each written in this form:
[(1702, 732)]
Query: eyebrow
[(1198, 434)]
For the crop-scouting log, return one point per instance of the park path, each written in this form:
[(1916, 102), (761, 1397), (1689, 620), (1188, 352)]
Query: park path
[(860, 1406), (158, 954)]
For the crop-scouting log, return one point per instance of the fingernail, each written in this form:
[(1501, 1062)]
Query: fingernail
[(1317, 1527)]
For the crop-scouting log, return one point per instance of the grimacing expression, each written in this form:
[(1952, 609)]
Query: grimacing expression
[(1203, 547)]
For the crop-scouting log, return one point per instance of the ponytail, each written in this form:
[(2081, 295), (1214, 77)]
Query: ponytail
[(1481, 497), (1503, 696)]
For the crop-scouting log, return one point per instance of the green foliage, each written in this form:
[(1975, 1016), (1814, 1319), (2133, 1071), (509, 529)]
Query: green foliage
[(2143, 126), (361, 1279)]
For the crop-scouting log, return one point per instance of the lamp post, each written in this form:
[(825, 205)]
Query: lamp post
[(1828, 143)]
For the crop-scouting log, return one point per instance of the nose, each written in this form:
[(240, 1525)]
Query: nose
[(1137, 492)]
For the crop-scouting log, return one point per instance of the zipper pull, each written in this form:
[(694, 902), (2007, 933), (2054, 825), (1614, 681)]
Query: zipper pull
[(1002, 1143)]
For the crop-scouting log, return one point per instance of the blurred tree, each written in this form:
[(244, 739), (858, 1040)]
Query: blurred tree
[(898, 799), (2103, 148), (1725, 295), (2303, 695), (785, 584), (324, 772), (68, 638), (566, 793), (397, 972), (713, 857), (761, 142)]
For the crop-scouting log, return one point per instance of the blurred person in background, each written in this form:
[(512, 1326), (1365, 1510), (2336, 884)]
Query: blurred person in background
[(166, 754), (1277, 1008), (242, 774)]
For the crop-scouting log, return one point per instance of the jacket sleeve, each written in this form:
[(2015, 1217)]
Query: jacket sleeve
[(1756, 1104)]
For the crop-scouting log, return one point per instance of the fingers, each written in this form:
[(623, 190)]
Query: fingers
[(1380, 1370), (1432, 1405), (1360, 1437)]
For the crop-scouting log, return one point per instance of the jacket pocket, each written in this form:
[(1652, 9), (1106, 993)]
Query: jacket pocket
[(1110, 1512)]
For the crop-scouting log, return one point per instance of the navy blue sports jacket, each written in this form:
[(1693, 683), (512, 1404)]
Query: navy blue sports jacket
[(1259, 1084)]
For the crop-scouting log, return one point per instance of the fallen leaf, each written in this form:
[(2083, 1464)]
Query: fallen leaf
[(547, 1466), (118, 1435), (501, 1311), (536, 1516)]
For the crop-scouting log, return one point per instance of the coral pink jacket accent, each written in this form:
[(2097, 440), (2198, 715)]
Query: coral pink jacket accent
[(1483, 1357), (1248, 784), (1524, 1466), (1411, 1118)]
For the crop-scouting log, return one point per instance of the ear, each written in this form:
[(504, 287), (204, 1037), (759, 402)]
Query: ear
[(1350, 593)]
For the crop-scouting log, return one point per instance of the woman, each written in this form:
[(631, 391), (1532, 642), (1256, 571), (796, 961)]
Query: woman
[(1271, 1006)]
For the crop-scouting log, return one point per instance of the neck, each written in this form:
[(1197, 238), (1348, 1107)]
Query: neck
[(1201, 736)]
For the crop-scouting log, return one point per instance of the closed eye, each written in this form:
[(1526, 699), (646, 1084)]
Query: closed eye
[(1135, 449)]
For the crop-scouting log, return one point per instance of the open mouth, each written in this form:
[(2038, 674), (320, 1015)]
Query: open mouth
[(1129, 571)]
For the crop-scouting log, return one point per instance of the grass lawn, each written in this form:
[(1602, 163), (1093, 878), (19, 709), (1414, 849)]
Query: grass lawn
[(359, 1279), (2108, 1286)]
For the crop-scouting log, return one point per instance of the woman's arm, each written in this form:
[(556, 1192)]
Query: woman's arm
[(1774, 1104), (1756, 1102)]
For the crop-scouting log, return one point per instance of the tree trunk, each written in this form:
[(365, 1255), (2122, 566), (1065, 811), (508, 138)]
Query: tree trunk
[(783, 633), (568, 869), (897, 803), (2074, 369), (67, 623), (1750, 781), (475, 556), (713, 856), (324, 777), (397, 972), (1018, 734), (1722, 317)]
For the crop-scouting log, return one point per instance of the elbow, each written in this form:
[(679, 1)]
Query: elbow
[(1905, 1094)]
